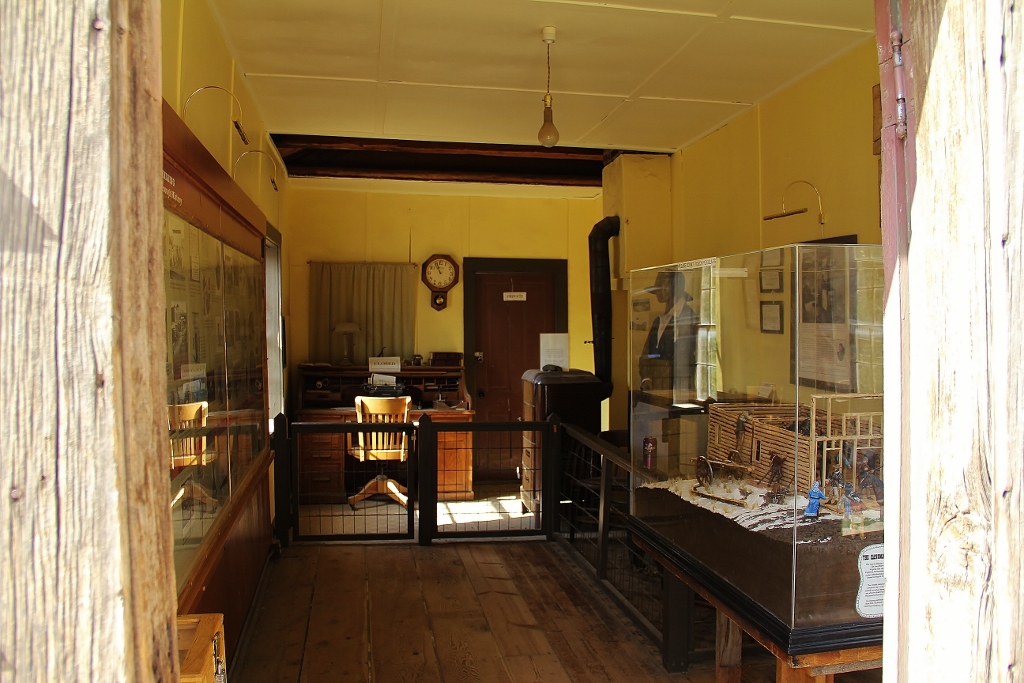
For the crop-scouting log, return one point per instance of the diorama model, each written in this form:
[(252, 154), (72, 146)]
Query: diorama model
[(766, 470), (748, 481)]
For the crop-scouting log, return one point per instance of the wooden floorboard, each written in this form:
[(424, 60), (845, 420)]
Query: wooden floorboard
[(337, 643), (504, 612), (401, 643), (277, 645)]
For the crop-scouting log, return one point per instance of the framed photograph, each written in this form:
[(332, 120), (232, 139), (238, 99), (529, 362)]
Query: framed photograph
[(823, 280), (771, 317), (771, 258), (771, 280)]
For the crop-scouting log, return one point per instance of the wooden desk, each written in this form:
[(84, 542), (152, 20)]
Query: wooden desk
[(321, 455)]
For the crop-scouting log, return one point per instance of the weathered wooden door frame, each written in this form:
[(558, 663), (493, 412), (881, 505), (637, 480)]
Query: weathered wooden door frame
[(952, 226), (897, 171), (87, 532), (471, 267)]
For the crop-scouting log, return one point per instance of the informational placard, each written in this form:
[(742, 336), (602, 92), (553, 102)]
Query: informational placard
[(554, 350), (513, 296), (871, 594)]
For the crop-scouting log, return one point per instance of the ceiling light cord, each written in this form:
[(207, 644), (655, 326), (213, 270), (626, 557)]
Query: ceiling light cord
[(549, 71)]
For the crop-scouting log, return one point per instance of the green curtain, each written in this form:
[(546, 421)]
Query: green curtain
[(380, 298)]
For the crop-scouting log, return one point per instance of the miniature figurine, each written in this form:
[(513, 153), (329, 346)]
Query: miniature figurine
[(774, 469), (867, 474), (777, 495), (742, 424), (853, 510), (868, 480), (814, 498), (868, 460), (836, 484)]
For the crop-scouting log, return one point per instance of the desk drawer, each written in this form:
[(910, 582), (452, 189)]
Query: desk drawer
[(531, 458), (322, 484), (321, 441), (321, 449), (316, 457)]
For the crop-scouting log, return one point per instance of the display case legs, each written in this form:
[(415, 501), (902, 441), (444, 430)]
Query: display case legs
[(784, 673), (677, 623), (728, 649)]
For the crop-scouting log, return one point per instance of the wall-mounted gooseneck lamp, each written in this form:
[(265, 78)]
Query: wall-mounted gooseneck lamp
[(794, 212), (273, 178), (236, 121), (548, 134)]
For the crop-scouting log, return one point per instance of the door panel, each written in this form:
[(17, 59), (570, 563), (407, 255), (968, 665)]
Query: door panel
[(508, 335)]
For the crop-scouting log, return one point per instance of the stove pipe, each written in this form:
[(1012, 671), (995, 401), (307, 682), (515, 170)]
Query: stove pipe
[(601, 297)]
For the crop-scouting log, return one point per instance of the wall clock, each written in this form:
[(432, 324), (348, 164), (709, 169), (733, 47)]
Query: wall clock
[(440, 274)]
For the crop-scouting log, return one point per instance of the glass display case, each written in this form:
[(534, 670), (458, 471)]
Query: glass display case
[(216, 351), (756, 430)]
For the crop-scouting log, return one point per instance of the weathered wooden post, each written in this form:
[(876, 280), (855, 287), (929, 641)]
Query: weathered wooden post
[(86, 572), (955, 579)]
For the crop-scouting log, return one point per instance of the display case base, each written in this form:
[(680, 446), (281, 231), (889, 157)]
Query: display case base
[(791, 641)]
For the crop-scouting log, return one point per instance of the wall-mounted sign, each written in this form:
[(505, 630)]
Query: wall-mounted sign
[(513, 296)]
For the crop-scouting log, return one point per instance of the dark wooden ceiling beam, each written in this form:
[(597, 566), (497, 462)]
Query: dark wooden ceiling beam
[(287, 143), (313, 156), (446, 176)]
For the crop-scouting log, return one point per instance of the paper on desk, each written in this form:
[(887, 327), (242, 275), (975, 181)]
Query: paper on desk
[(382, 380)]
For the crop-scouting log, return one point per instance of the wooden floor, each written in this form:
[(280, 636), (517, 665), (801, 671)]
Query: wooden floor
[(506, 612)]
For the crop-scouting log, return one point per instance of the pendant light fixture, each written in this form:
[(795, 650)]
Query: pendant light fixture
[(548, 134)]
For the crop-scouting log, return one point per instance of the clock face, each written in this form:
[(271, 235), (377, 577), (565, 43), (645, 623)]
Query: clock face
[(439, 273)]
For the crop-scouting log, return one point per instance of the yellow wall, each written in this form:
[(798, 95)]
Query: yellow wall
[(818, 130), (195, 55), (716, 208), (327, 224)]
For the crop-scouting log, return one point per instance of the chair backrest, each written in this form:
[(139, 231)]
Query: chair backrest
[(379, 410), (188, 444)]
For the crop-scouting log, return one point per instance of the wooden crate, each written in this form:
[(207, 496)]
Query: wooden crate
[(200, 645)]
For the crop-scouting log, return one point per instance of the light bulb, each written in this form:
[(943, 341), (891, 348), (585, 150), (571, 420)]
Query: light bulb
[(548, 134)]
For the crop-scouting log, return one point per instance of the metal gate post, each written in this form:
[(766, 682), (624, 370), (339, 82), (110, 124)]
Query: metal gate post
[(426, 447), (284, 515), (551, 465), (603, 517)]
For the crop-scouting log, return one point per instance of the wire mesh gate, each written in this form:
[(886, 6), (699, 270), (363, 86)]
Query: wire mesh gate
[(325, 491), (339, 492), (445, 509)]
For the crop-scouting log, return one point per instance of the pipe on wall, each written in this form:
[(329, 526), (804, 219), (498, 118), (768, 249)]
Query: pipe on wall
[(601, 297)]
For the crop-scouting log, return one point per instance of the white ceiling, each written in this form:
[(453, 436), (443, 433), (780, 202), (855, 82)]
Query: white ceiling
[(632, 74)]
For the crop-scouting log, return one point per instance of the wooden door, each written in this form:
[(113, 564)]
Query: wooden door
[(508, 341)]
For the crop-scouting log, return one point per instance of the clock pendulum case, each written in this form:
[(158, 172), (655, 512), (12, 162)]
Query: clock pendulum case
[(440, 274)]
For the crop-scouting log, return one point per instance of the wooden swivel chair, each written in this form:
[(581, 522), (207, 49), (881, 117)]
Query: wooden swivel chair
[(382, 445), (186, 423), (188, 445)]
